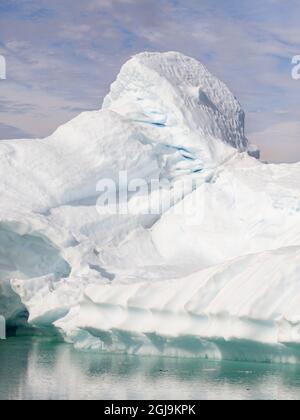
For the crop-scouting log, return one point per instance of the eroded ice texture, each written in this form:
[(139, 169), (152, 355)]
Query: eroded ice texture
[(225, 271)]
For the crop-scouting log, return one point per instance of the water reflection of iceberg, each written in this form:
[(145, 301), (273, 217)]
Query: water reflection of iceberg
[(43, 369)]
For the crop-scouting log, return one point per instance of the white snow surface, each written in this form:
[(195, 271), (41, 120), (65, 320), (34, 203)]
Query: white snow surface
[(225, 271)]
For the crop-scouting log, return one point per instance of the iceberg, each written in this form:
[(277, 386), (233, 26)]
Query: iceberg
[(212, 273)]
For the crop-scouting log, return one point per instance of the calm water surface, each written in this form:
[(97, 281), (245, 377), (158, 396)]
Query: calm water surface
[(40, 368)]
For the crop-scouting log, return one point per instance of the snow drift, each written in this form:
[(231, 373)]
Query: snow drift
[(219, 280)]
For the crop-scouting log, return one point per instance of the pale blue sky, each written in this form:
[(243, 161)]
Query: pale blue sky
[(63, 55)]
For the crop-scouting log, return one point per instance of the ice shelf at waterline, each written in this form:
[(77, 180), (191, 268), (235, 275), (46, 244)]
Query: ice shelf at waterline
[(228, 271)]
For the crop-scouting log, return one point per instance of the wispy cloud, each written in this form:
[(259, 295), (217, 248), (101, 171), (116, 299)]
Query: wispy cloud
[(12, 132), (62, 57)]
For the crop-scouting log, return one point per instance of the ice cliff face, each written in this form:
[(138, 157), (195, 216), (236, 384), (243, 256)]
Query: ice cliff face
[(225, 270)]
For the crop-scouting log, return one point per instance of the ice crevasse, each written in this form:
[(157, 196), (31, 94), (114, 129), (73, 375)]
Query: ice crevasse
[(219, 280)]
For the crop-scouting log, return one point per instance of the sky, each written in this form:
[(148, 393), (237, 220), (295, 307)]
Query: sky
[(62, 56)]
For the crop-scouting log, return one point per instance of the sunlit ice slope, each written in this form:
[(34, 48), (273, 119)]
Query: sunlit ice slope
[(177, 282)]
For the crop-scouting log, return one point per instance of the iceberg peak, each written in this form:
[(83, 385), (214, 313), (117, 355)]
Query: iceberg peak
[(175, 91)]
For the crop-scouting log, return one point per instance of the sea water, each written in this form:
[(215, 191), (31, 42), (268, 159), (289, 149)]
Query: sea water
[(45, 368)]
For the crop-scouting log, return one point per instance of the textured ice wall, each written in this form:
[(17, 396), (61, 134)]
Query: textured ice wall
[(175, 91)]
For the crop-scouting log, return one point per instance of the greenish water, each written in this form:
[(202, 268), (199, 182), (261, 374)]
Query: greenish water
[(40, 368)]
